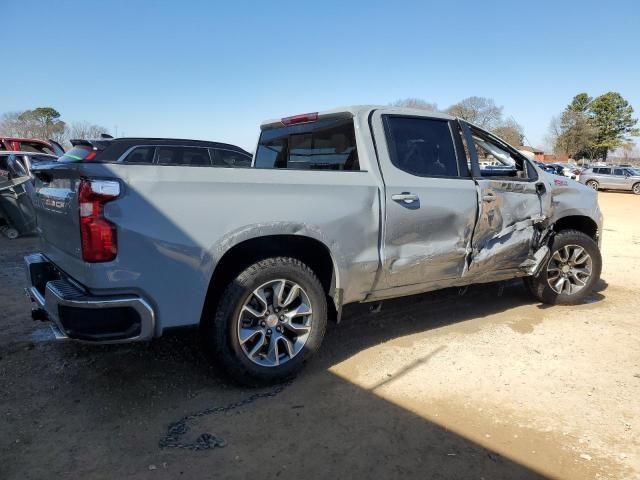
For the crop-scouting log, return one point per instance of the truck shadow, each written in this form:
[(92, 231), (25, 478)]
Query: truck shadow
[(322, 425)]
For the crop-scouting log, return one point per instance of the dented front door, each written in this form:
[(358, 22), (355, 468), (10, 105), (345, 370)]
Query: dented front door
[(430, 202), (509, 206)]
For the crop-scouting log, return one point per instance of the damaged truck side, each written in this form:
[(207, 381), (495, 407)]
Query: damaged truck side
[(356, 204)]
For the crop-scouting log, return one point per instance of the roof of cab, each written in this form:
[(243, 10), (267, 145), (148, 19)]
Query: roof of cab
[(357, 110)]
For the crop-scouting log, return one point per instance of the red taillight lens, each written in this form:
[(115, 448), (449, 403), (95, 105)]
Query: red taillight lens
[(97, 234), (302, 118), (91, 155)]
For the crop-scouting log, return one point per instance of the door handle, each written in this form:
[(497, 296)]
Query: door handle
[(405, 197), (489, 197)]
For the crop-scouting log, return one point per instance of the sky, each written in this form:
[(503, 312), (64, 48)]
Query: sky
[(215, 70)]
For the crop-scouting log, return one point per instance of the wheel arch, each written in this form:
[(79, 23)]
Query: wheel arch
[(582, 223), (311, 251)]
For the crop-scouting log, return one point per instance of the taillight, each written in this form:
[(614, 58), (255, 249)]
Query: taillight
[(91, 155), (302, 118), (97, 234)]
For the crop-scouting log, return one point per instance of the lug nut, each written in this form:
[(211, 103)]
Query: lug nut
[(279, 329), (262, 324), (282, 317), (269, 331)]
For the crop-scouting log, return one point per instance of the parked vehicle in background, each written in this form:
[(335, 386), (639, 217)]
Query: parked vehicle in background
[(612, 178), (352, 205), (28, 159), (17, 216), (158, 151), (31, 145)]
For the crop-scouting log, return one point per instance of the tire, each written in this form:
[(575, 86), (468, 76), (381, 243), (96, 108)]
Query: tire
[(540, 285), (593, 184), (222, 335), (636, 188)]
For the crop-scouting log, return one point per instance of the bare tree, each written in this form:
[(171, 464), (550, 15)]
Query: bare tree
[(573, 134), (84, 130), (480, 111), (416, 103), (510, 131)]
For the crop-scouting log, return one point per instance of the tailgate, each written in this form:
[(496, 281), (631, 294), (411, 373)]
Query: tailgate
[(57, 212)]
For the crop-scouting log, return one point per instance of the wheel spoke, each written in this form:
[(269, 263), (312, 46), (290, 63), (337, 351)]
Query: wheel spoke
[(247, 334), (288, 346), (259, 344), (252, 311), (298, 329), (293, 294), (278, 292), (273, 355), (299, 311), (575, 254)]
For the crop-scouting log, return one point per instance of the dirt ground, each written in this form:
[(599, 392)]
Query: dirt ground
[(487, 385)]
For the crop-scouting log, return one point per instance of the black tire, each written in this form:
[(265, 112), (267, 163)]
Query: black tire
[(636, 188), (220, 335), (539, 285), (593, 184)]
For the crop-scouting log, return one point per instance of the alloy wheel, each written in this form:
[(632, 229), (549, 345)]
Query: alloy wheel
[(274, 322), (569, 269)]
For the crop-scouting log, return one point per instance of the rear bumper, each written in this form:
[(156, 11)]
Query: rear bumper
[(79, 315)]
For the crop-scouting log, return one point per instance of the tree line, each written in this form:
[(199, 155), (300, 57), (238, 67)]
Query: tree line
[(45, 123), (592, 127), (587, 128), (481, 111)]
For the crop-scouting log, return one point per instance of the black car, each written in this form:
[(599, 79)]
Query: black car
[(158, 151)]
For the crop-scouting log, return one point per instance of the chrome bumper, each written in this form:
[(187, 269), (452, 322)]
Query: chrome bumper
[(49, 290)]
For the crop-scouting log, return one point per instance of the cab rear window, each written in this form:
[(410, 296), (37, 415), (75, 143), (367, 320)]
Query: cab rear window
[(327, 144)]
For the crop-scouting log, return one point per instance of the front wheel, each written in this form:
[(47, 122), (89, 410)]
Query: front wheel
[(571, 272), (636, 188), (271, 318), (593, 184)]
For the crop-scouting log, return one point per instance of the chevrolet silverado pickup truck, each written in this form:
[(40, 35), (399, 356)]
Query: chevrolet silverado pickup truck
[(356, 204)]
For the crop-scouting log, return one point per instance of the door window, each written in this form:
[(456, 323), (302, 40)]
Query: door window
[(497, 160), (140, 155), (192, 156), (229, 158), (421, 146), (618, 172)]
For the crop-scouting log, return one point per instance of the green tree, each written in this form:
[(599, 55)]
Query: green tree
[(41, 122), (612, 116)]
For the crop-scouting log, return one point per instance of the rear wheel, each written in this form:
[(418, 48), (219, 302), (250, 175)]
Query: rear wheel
[(270, 320), (571, 271), (593, 184), (636, 188)]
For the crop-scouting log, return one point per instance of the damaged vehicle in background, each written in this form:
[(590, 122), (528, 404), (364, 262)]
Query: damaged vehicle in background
[(356, 204)]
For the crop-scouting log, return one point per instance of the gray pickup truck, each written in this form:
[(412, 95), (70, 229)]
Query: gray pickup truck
[(356, 204)]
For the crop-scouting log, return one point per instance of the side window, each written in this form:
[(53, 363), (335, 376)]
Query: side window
[(140, 155), (605, 171), (190, 156), (421, 146), (618, 172), (326, 144), (496, 160), (229, 158)]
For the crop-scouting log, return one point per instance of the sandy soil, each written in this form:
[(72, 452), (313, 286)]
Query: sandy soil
[(487, 385)]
